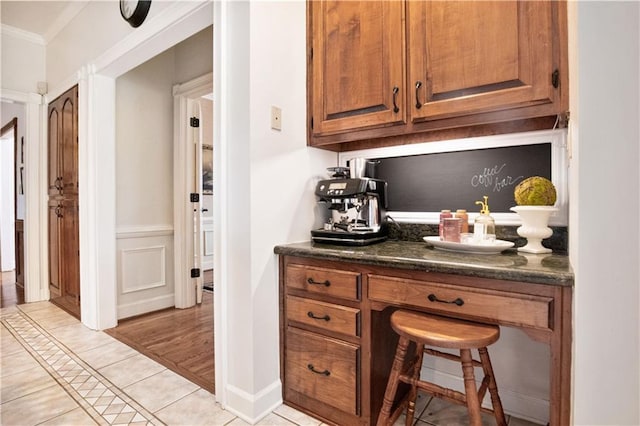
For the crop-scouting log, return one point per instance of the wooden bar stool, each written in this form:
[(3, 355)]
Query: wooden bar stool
[(431, 330)]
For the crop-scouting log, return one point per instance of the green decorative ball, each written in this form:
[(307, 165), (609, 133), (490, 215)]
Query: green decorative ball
[(535, 191)]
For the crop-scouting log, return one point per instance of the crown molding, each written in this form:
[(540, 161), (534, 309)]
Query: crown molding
[(8, 30)]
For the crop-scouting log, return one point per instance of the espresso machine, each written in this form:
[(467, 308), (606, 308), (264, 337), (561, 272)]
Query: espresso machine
[(356, 205)]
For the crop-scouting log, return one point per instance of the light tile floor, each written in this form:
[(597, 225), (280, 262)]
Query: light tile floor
[(55, 371)]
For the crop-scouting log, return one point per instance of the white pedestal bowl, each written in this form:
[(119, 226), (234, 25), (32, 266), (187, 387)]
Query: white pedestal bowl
[(535, 220)]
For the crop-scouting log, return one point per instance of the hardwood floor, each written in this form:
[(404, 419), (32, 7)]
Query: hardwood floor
[(10, 293), (179, 339)]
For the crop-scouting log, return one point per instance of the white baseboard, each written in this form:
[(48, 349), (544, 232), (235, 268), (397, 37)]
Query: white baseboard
[(252, 408), (147, 305), (516, 404)]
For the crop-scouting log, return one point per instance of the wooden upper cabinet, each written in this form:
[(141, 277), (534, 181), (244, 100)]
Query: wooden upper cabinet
[(467, 57), (357, 65), (462, 68)]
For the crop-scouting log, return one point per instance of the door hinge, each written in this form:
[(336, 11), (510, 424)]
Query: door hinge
[(194, 122), (195, 272), (311, 123), (555, 78), (311, 53), (194, 197)]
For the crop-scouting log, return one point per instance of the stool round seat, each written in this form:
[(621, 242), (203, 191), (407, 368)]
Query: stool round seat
[(443, 332)]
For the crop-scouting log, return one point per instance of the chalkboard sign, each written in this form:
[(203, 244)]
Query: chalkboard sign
[(455, 180)]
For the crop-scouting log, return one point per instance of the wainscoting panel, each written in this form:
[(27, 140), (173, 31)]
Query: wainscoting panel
[(145, 270)]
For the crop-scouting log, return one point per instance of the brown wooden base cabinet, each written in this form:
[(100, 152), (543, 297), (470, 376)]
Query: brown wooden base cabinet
[(337, 345)]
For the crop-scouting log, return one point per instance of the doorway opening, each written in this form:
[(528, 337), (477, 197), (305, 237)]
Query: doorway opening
[(11, 215)]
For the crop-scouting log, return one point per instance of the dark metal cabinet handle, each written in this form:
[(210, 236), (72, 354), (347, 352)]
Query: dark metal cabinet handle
[(433, 298), (418, 86), (312, 315), (325, 283), (395, 99), (312, 368)]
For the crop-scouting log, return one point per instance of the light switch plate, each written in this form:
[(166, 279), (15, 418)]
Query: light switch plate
[(276, 118)]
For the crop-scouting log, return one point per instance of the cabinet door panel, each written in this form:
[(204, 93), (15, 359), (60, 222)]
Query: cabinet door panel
[(55, 234), (70, 248), (475, 56), (323, 368), (358, 60), (69, 140), (53, 161)]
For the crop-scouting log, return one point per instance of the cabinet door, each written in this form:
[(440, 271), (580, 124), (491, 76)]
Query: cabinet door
[(469, 57), (358, 65)]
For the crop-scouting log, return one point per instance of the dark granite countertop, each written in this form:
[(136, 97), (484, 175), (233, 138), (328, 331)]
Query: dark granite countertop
[(553, 269)]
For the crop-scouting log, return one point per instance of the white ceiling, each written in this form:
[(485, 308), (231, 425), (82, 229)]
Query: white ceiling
[(40, 20)]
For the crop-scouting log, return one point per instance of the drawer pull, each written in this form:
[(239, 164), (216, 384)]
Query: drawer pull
[(432, 298), (312, 368), (325, 283), (311, 315)]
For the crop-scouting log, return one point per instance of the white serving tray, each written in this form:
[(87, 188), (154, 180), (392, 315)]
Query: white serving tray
[(495, 247)]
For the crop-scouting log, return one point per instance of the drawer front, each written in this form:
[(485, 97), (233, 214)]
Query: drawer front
[(332, 282), (323, 368), (327, 316), (514, 308)]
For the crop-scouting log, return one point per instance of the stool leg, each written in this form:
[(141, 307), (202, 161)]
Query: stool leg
[(415, 373), (493, 387), (392, 384), (471, 392)]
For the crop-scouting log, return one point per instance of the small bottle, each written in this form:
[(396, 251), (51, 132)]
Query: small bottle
[(444, 214), (451, 229), (484, 227), (462, 214)]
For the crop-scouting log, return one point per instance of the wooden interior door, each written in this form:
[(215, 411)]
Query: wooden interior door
[(358, 65), (468, 57), (64, 255)]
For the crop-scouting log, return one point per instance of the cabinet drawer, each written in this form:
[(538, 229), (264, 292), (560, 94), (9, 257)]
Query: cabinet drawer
[(327, 316), (332, 282), (508, 308), (323, 369)]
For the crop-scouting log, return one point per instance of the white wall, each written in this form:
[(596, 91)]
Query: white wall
[(270, 183), (96, 29), (22, 62), (604, 230)]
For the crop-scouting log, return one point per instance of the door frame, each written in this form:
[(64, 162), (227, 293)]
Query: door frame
[(183, 172)]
